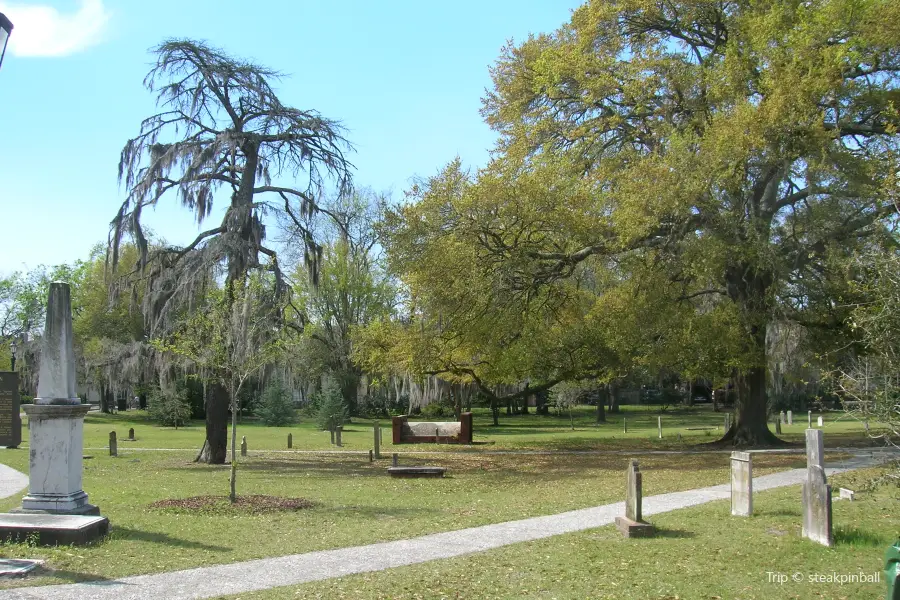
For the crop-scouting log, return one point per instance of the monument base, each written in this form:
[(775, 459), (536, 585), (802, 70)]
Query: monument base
[(52, 530), (632, 529)]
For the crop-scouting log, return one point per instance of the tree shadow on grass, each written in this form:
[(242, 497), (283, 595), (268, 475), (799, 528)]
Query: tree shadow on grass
[(68, 576), (126, 533), (853, 536), (674, 533)]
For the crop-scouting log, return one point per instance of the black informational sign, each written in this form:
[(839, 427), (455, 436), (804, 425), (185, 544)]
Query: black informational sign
[(10, 421)]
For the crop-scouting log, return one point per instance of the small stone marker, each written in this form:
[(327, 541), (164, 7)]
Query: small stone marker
[(846, 494), (337, 434), (817, 523), (290, 441), (741, 484), (678, 436), (809, 418), (821, 421), (659, 426), (377, 436), (395, 460), (243, 445), (113, 445), (782, 417), (790, 416), (632, 524), (131, 434)]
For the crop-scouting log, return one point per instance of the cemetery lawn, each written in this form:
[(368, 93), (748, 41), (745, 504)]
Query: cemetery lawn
[(700, 552), (355, 502), (698, 425)]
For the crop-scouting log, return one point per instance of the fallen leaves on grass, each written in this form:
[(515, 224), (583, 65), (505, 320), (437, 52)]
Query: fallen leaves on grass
[(255, 504)]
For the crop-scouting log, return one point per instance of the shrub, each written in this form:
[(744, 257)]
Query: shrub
[(332, 411), (432, 410), (170, 407), (275, 407)]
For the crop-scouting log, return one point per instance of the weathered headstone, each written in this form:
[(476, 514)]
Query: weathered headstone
[(816, 492), (113, 444), (846, 494), (817, 507), (131, 433), (243, 445), (741, 484), (820, 421), (395, 460), (790, 417), (632, 524), (377, 436), (290, 441), (10, 421), (337, 435), (659, 426), (782, 418)]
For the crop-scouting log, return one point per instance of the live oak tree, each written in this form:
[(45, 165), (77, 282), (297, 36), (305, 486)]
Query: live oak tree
[(738, 151), (221, 128)]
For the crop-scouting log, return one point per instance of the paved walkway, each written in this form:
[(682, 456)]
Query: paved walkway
[(11, 481), (242, 577)]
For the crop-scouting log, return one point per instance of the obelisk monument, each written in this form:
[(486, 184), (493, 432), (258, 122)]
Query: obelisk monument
[(56, 420)]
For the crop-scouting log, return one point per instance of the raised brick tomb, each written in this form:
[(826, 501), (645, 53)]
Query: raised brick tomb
[(431, 432)]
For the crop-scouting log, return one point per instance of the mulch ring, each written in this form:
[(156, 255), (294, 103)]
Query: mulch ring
[(254, 504)]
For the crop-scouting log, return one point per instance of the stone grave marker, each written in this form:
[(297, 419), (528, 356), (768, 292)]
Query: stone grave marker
[(790, 416), (741, 484), (131, 433), (846, 494), (113, 444), (10, 420), (816, 492), (290, 441), (782, 417), (243, 445), (632, 524), (821, 421), (377, 436)]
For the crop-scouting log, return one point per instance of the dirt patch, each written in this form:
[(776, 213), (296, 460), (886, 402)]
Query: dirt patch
[(254, 504)]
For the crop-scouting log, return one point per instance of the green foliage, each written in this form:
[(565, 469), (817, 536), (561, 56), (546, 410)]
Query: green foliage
[(170, 407), (332, 411), (275, 407)]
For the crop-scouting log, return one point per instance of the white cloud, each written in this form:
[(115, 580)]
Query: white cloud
[(44, 31)]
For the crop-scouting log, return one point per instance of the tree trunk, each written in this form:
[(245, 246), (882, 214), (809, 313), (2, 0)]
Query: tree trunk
[(495, 411), (233, 495), (601, 413), (613, 397), (690, 397), (216, 425)]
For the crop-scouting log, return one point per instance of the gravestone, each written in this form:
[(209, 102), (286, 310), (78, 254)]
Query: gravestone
[(131, 434), (10, 421), (790, 416), (290, 441), (56, 506), (337, 435), (816, 492), (846, 494), (632, 524), (113, 445), (377, 435), (243, 445), (820, 421), (741, 484)]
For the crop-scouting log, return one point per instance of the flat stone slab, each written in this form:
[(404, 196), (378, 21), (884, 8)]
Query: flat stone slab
[(416, 471), (52, 530), (17, 567), (633, 529)]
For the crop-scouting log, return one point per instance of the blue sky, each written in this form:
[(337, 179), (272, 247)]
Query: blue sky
[(404, 77)]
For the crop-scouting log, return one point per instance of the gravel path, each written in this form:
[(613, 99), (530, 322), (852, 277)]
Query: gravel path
[(11, 481), (241, 577)]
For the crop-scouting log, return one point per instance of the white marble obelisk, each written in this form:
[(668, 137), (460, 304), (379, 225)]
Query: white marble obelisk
[(56, 419)]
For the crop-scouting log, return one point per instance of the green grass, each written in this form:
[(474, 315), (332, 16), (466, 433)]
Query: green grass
[(517, 432), (700, 552), (355, 502)]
